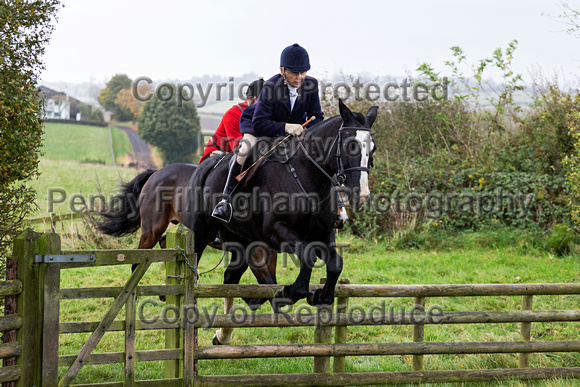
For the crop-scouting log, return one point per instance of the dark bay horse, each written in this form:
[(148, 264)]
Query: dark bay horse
[(152, 200), (289, 204)]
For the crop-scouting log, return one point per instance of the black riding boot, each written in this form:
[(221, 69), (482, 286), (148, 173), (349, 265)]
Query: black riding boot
[(223, 210)]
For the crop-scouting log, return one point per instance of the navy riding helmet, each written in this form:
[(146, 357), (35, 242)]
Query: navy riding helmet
[(295, 58)]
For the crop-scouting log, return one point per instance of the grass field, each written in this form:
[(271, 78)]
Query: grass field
[(83, 143), (63, 179), (77, 161), (485, 257)]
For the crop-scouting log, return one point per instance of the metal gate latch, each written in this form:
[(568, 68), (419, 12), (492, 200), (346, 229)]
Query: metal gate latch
[(64, 258)]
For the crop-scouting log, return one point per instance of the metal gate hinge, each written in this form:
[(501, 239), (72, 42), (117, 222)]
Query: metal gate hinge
[(64, 258)]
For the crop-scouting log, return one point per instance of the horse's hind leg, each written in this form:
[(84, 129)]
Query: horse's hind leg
[(263, 264), (163, 242), (223, 336), (234, 272), (149, 238)]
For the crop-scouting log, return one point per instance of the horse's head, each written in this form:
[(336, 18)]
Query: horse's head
[(355, 152)]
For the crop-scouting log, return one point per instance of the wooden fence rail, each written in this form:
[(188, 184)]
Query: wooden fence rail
[(381, 349), (380, 291), (387, 378), (322, 350)]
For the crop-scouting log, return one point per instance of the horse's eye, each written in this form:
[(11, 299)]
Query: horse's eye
[(352, 147)]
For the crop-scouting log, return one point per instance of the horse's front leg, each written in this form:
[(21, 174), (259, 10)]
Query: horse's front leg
[(325, 296), (223, 336), (290, 294)]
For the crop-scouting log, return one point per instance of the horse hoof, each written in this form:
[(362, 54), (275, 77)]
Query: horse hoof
[(313, 299), (279, 293), (310, 298), (215, 340)]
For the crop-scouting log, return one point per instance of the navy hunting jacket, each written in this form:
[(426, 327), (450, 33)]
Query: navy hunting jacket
[(272, 111)]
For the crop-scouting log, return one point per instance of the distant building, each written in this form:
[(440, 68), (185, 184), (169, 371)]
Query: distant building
[(59, 105)]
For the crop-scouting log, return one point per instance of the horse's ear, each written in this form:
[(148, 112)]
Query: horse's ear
[(372, 115), (345, 112)]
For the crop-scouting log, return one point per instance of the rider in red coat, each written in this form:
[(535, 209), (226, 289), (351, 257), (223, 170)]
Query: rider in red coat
[(227, 135)]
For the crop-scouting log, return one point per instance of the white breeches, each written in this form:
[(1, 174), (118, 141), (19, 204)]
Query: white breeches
[(246, 144)]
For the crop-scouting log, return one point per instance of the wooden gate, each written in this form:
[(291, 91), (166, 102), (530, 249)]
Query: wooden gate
[(40, 262)]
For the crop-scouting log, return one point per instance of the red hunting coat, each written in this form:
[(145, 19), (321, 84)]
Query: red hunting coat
[(227, 135)]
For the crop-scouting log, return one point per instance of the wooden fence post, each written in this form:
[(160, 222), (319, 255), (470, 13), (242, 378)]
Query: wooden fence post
[(26, 245), (185, 338), (174, 271), (50, 307), (130, 320), (339, 364), (10, 308), (189, 312), (526, 332), (418, 335), (323, 335)]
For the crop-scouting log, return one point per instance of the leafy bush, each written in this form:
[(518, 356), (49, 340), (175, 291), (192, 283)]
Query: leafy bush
[(26, 29), (562, 240), (572, 161), (466, 163)]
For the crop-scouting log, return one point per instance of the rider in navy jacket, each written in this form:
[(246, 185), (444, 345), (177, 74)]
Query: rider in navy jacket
[(246, 120), (286, 102), (273, 110)]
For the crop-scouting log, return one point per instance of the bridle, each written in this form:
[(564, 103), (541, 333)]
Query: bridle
[(341, 173)]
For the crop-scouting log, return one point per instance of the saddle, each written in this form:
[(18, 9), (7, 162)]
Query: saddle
[(259, 155)]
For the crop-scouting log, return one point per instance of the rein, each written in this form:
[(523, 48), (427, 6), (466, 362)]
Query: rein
[(341, 173)]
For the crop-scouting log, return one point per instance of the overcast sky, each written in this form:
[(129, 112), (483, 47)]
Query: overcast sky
[(95, 39)]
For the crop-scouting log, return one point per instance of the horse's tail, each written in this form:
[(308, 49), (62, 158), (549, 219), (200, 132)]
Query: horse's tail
[(122, 217)]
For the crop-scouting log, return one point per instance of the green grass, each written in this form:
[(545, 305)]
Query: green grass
[(74, 178), (121, 144), (364, 263), (83, 143)]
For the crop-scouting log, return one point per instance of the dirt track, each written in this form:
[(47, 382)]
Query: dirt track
[(141, 150)]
